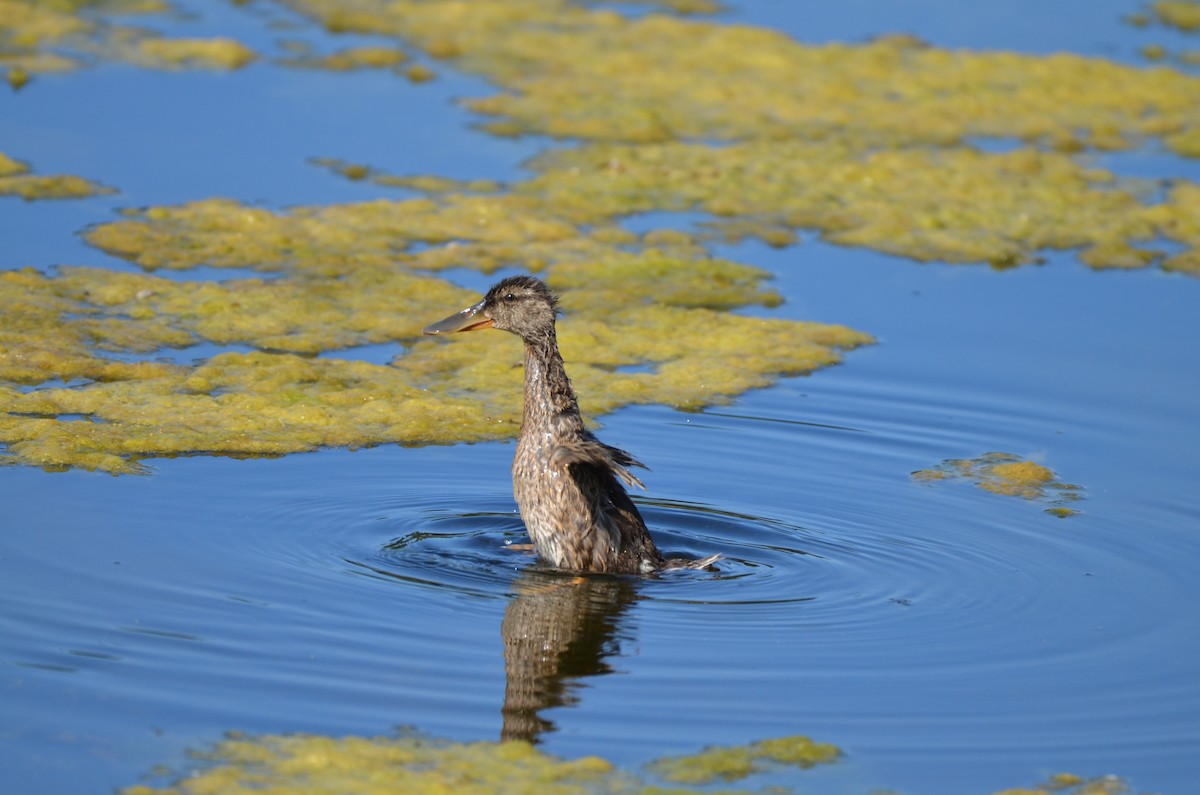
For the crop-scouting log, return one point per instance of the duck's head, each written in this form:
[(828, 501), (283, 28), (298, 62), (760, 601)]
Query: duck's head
[(520, 304)]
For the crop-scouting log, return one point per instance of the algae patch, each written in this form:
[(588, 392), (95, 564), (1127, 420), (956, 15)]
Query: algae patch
[(1011, 476), (954, 206), (733, 763), (567, 70), (41, 38), (958, 205), (344, 283), (1181, 14), (15, 180), (868, 144), (216, 53), (418, 183), (350, 59), (351, 765), (648, 321), (305, 763), (863, 144)]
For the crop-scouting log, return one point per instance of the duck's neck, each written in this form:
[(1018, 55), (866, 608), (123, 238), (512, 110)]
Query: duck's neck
[(548, 391)]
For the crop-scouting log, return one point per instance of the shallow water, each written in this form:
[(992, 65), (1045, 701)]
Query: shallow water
[(947, 639)]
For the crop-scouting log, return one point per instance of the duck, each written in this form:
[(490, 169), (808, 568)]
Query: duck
[(569, 486)]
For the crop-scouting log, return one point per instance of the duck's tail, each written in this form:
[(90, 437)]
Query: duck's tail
[(704, 564)]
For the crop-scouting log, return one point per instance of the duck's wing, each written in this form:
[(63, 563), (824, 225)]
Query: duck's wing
[(590, 451), (599, 469)]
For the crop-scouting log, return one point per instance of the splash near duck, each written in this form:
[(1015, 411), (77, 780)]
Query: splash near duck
[(567, 483)]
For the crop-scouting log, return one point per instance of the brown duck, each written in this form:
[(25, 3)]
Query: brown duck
[(566, 481)]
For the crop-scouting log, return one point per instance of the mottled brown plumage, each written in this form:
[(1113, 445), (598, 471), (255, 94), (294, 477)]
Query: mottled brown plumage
[(566, 481)]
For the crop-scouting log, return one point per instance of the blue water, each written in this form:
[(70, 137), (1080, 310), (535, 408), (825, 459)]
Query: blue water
[(949, 640)]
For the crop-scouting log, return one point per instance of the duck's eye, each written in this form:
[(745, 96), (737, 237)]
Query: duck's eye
[(510, 296)]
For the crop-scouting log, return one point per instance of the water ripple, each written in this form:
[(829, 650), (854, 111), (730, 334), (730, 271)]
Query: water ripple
[(402, 539), (855, 571)]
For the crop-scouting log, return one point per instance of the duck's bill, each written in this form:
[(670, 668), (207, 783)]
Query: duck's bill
[(470, 319)]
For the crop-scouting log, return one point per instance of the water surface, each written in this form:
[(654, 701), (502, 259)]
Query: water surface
[(947, 639)]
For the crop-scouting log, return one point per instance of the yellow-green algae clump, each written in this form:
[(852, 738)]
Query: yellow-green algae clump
[(349, 59), (215, 53), (420, 183), (1181, 14), (242, 765), (40, 37), (956, 205), (946, 205), (646, 322), (15, 180), (866, 143), (733, 763), (862, 143), (1011, 476), (568, 70), (351, 765)]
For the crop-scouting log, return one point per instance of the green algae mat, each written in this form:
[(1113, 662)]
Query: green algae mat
[(410, 764), (867, 145), (233, 329)]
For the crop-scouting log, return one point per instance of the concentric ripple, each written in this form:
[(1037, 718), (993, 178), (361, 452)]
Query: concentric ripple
[(871, 572), (475, 544), (462, 543)]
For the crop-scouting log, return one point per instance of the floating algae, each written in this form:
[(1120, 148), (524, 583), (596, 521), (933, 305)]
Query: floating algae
[(304, 763), (362, 766), (37, 38), (271, 403), (568, 70), (40, 38), (865, 143), (1181, 14), (344, 283), (953, 206), (328, 240), (351, 275), (733, 763), (15, 180), (350, 59), (957, 205), (215, 53), (868, 149), (1009, 475), (420, 183), (678, 6)]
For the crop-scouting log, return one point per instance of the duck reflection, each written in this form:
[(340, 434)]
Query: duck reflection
[(558, 629)]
